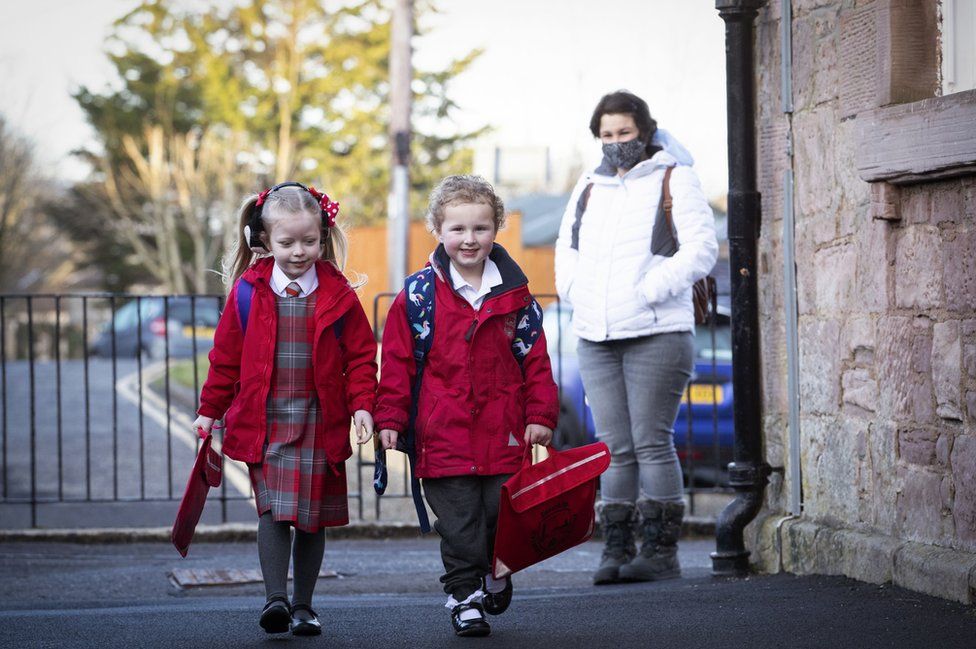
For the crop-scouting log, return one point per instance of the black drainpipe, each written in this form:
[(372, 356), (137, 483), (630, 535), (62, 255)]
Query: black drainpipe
[(747, 472)]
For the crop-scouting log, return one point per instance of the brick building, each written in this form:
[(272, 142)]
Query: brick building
[(872, 155)]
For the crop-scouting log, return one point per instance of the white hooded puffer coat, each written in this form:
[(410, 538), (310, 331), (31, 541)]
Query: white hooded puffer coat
[(617, 288)]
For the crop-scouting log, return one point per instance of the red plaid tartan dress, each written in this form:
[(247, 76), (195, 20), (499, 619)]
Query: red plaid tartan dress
[(295, 482)]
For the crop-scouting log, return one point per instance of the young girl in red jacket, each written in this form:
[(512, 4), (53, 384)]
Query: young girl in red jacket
[(293, 356), (478, 408)]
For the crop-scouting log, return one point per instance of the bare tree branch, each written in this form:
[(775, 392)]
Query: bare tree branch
[(171, 200)]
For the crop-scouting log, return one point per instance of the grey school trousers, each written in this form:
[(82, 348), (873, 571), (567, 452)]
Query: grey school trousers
[(634, 388), (466, 508)]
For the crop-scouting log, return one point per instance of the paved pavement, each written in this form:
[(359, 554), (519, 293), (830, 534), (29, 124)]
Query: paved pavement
[(387, 595)]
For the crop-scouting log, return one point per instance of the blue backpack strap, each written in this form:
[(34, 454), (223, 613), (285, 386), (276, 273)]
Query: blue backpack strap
[(245, 290), (528, 327), (419, 290), (381, 476)]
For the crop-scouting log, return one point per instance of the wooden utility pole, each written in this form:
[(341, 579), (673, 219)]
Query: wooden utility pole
[(398, 206)]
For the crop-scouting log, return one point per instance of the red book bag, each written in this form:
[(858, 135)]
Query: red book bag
[(547, 507), (206, 473)]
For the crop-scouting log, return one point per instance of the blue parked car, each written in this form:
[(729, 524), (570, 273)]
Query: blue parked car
[(148, 326), (705, 448)]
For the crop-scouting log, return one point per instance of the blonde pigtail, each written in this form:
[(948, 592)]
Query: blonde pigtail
[(335, 250)]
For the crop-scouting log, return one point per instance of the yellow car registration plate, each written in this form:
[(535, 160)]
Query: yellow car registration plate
[(199, 331), (703, 393)]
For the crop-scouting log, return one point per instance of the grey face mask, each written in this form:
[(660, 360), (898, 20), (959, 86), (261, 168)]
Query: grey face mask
[(624, 155)]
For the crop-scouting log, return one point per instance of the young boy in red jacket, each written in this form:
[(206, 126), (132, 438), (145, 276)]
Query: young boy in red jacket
[(479, 405)]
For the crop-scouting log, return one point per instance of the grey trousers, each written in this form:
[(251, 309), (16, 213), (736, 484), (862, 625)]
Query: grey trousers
[(466, 508), (634, 388)]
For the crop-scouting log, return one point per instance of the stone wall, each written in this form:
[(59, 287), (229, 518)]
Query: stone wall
[(886, 282)]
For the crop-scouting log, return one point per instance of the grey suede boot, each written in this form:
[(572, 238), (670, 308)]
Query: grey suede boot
[(660, 527), (617, 522)]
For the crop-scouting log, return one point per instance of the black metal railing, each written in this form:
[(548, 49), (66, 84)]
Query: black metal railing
[(87, 405), (97, 393)]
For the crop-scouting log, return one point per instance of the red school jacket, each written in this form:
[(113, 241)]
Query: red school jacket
[(241, 364), (475, 400)]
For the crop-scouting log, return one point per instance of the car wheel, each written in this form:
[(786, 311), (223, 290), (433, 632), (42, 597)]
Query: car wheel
[(569, 431)]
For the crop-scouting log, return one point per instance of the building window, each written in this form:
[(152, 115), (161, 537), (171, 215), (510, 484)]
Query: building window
[(958, 45)]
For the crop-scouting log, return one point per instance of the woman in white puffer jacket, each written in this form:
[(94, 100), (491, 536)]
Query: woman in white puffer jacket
[(630, 291)]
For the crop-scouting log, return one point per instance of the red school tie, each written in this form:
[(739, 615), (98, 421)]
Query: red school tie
[(293, 290)]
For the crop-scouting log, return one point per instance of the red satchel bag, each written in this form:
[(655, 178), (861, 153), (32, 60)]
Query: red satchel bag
[(206, 473), (547, 507)]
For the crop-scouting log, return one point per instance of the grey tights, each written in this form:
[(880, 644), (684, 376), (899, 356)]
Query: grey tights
[(274, 546)]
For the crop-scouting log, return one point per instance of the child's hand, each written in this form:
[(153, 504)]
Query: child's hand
[(389, 439), (537, 434), (363, 422), (202, 426)]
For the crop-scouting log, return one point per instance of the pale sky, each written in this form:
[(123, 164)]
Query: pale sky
[(546, 64)]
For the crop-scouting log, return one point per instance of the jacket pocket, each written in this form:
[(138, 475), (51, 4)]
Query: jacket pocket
[(511, 417), (638, 291), (645, 305), (573, 290), (509, 445), (426, 417)]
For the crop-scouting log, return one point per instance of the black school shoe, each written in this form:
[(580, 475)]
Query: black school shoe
[(497, 603), (305, 627), (276, 616), (469, 628)]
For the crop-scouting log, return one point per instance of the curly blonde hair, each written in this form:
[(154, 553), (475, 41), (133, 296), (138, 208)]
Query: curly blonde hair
[(459, 190)]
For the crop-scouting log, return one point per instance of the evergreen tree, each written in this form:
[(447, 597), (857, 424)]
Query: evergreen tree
[(289, 89)]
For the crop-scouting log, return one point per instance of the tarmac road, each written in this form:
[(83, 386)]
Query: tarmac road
[(64, 595)]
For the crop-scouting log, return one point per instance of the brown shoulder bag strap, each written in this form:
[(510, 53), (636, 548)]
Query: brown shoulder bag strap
[(666, 197)]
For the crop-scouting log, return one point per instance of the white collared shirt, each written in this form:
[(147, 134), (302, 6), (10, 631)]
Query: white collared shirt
[(308, 282), (490, 278)]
